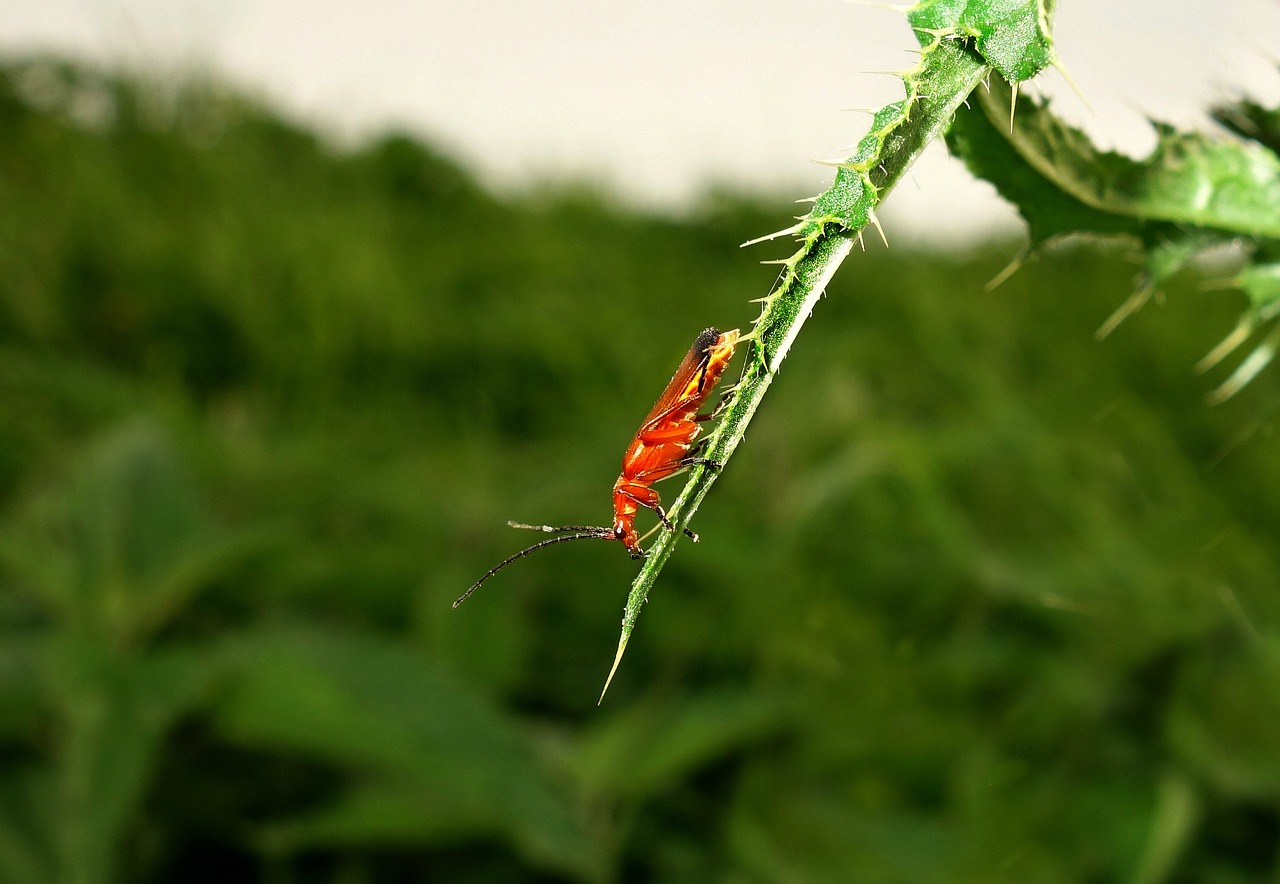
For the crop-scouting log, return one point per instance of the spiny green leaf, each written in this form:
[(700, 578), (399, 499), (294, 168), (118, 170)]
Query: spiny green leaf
[(948, 71), (1261, 282), (1191, 194), (1063, 185), (1048, 210), (962, 41), (1168, 250), (1190, 178), (1251, 120), (1011, 35)]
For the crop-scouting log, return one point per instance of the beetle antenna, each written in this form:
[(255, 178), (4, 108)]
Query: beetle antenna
[(558, 529), (601, 533)]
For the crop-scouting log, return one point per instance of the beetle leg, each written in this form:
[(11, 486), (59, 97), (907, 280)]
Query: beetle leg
[(661, 513)]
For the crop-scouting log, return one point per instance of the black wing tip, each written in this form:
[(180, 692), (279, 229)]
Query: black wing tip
[(706, 340)]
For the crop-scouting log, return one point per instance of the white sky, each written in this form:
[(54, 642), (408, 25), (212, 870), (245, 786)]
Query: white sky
[(659, 99)]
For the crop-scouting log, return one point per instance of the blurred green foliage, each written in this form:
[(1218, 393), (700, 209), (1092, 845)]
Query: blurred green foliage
[(981, 599)]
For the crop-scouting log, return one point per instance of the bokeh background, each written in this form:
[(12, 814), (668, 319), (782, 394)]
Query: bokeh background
[(980, 599)]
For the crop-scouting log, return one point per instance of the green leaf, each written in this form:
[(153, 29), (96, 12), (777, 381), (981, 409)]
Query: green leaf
[(1261, 282), (1225, 721), (653, 745), (126, 542), (1189, 178), (803, 832), (22, 654), (385, 812), (113, 553), (1191, 194), (116, 713), (28, 820), (1012, 36), (425, 740), (1062, 184), (1177, 809), (1049, 210), (1248, 119)]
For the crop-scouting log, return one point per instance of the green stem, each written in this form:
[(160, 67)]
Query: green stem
[(947, 73)]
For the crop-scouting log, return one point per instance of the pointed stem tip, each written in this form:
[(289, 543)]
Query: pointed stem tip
[(622, 647)]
